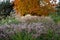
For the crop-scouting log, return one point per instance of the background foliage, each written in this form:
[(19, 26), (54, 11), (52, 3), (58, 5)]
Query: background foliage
[(5, 9), (33, 7)]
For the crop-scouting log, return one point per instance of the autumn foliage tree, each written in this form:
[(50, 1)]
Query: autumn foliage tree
[(33, 7)]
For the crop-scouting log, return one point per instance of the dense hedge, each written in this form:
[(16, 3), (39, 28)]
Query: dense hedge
[(5, 9)]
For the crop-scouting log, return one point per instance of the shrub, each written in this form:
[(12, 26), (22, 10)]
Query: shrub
[(5, 9), (33, 7)]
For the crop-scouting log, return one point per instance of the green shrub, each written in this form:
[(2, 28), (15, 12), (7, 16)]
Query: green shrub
[(9, 20), (5, 9), (55, 16)]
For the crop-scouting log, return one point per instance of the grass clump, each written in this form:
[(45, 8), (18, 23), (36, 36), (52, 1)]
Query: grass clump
[(49, 36), (24, 35)]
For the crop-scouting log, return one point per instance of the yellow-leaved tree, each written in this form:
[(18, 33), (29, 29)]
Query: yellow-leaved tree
[(33, 7)]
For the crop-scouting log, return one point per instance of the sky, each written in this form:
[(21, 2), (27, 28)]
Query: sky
[(13, 0)]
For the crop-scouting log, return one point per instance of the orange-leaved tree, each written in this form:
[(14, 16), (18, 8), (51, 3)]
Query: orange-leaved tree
[(33, 7)]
